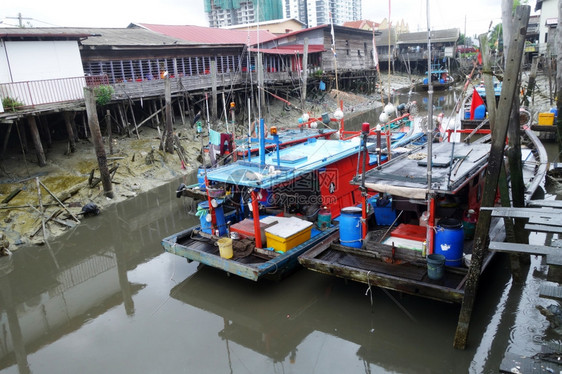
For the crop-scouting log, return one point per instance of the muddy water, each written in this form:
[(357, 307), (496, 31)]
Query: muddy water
[(105, 298)]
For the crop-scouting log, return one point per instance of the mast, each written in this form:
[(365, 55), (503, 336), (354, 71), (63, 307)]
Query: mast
[(429, 135)]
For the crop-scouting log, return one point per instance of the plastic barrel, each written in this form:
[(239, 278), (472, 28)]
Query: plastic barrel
[(225, 247), (449, 241), (480, 112), (435, 263), (219, 215), (324, 219), (350, 227)]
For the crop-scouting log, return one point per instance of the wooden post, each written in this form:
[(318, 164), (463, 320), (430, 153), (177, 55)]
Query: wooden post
[(109, 131), (488, 80), (36, 141), (68, 118), (6, 139), (182, 110), (94, 125), (495, 160), (123, 117), (304, 74), (213, 91), (134, 119), (531, 82), (169, 147)]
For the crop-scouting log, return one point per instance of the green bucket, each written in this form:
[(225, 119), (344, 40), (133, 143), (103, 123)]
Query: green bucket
[(435, 266)]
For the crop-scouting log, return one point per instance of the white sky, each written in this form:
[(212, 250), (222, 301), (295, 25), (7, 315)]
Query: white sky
[(119, 13)]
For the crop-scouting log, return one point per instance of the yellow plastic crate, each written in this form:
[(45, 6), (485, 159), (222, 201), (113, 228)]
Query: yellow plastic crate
[(546, 119), (288, 233)]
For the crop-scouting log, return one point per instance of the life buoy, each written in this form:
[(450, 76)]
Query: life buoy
[(253, 130)]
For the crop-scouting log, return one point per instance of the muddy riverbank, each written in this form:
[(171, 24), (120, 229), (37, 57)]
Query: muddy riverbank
[(140, 165)]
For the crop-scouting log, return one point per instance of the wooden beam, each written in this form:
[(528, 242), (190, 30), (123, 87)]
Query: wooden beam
[(509, 88), (42, 161), (94, 125)]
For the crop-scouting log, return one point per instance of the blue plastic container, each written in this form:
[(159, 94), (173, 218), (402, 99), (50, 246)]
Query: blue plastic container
[(425, 81), (350, 227), (555, 111), (219, 215), (384, 214), (480, 112), (449, 241)]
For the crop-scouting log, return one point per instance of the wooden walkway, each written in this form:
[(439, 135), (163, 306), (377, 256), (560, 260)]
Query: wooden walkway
[(543, 216)]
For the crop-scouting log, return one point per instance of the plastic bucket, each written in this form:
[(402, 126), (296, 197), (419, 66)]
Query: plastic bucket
[(324, 219), (206, 226), (225, 247), (435, 266), (350, 227), (449, 241)]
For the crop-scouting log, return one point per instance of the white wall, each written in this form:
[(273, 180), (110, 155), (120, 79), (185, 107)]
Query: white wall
[(549, 9), (41, 64), (35, 60)]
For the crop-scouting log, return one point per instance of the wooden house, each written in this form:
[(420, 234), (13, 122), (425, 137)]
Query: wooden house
[(412, 47)]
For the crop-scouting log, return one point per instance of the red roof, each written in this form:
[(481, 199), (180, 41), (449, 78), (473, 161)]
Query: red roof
[(291, 49), (361, 23), (210, 35)]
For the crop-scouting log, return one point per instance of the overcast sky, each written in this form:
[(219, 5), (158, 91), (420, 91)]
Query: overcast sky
[(475, 14)]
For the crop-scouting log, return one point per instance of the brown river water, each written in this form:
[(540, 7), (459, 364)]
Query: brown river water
[(106, 298)]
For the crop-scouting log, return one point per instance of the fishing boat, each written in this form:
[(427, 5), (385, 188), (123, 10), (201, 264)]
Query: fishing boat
[(440, 79), (260, 214), (393, 253), (474, 107)]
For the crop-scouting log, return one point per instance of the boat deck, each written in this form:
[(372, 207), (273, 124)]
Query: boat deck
[(253, 265)]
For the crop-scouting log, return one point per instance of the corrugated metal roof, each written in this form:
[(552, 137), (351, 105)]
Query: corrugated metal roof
[(437, 36), (210, 35), (43, 32), (290, 49), (98, 36)]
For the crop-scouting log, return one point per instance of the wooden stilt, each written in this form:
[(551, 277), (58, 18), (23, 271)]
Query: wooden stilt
[(91, 111), (123, 117), (68, 119), (133, 117), (36, 141), (509, 89), (45, 130), (169, 146), (182, 110), (6, 139), (109, 130)]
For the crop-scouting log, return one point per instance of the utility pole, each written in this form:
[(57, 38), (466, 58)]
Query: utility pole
[(20, 20)]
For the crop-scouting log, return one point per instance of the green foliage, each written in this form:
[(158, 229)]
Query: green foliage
[(318, 73), (103, 94), (10, 104)]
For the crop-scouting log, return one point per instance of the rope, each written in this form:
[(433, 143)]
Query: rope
[(369, 291)]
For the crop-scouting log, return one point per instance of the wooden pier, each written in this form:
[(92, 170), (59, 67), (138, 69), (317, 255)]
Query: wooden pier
[(544, 216)]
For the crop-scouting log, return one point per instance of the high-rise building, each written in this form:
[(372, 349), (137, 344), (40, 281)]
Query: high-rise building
[(224, 13), (317, 12)]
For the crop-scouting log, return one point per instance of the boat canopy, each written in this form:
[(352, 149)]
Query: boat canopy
[(453, 165)]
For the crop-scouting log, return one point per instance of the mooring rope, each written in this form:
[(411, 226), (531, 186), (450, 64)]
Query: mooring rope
[(369, 291)]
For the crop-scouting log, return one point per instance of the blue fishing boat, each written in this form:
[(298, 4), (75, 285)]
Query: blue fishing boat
[(260, 214), (440, 79)]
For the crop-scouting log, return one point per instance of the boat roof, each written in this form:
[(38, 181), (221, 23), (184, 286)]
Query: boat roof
[(293, 162), (454, 164)]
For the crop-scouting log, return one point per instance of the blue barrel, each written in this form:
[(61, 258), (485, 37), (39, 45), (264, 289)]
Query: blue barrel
[(350, 227), (555, 111), (449, 241), (219, 215), (480, 112)]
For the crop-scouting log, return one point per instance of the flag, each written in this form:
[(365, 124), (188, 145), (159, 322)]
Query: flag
[(476, 102), (479, 57), (375, 54)]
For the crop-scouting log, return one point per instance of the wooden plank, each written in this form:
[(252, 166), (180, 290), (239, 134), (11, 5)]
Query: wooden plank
[(544, 228), (545, 203), (520, 248), (547, 220), (521, 212), (550, 291)]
